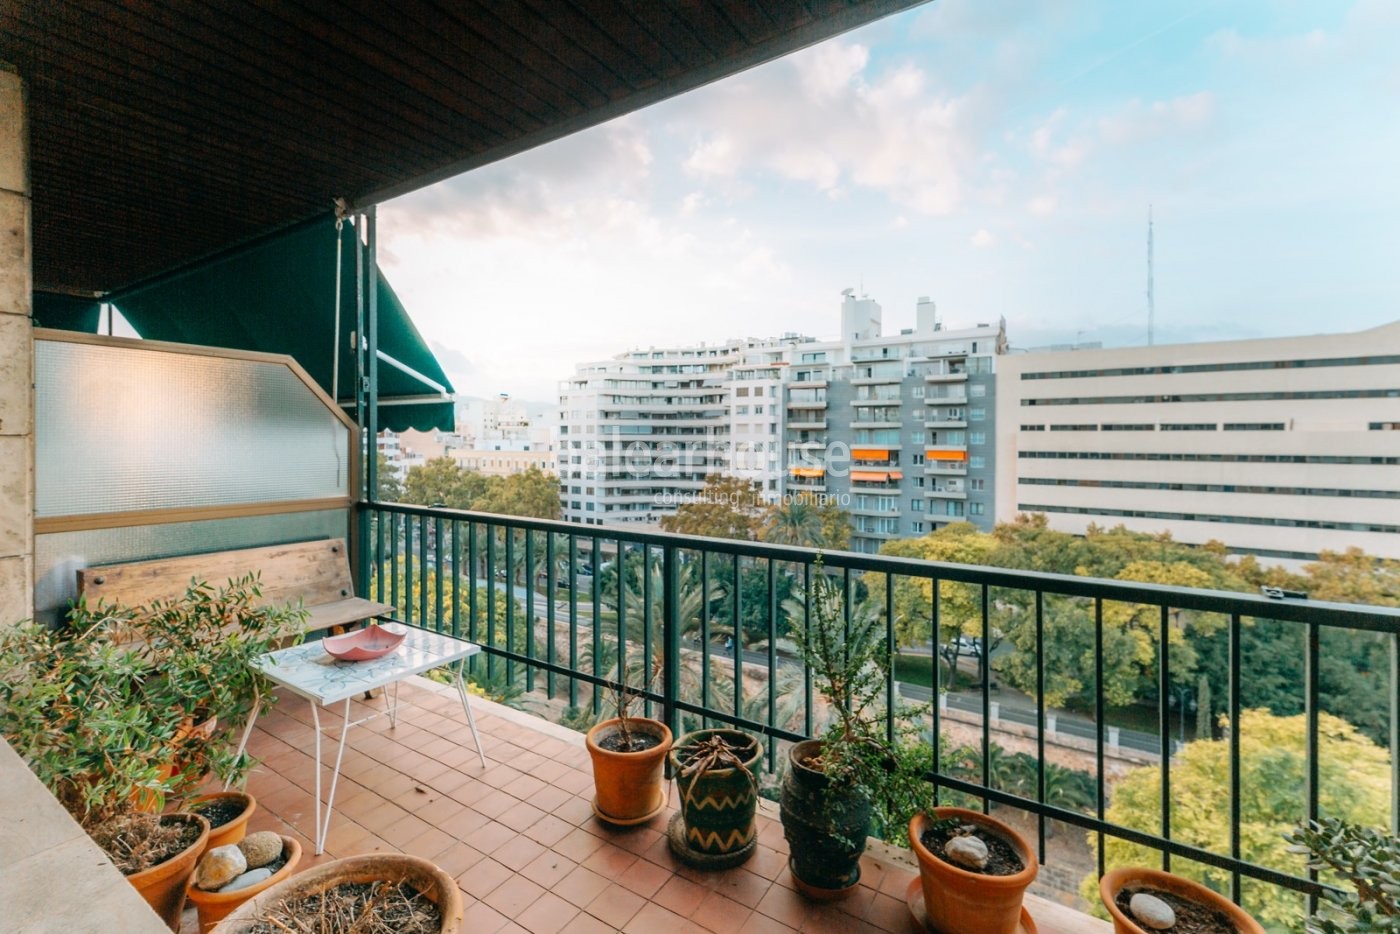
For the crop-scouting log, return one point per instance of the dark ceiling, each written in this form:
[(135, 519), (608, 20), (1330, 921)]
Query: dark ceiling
[(162, 131)]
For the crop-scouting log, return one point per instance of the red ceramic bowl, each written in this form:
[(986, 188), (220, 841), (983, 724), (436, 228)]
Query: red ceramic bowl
[(362, 645)]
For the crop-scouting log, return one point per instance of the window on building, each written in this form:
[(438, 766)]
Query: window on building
[(917, 392), (977, 462), (917, 437), (918, 460), (977, 437), (976, 415), (977, 484), (976, 509), (919, 482), (976, 390), (916, 505), (742, 391)]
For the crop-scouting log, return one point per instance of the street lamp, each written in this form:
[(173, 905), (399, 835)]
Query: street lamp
[(1183, 698)]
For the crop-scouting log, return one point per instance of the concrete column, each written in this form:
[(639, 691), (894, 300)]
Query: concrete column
[(16, 359)]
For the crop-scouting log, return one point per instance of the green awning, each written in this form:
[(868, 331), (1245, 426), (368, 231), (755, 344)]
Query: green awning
[(66, 313), (278, 296)]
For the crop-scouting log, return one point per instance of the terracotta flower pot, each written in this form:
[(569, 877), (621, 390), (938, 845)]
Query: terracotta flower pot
[(630, 787), (962, 902), (717, 805), (826, 829), (427, 878), (163, 886), (1116, 880), (234, 830), (213, 907)]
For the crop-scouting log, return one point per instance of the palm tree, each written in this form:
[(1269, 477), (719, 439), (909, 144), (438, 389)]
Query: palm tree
[(797, 521)]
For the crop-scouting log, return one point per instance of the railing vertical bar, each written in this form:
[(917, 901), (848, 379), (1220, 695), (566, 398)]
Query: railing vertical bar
[(1098, 733), (1395, 734), (490, 576), (438, 542), (705, 632), (573, 618), (736, 622), (410, 569), (772, 654), (473, 606), (549, 601), (936, 712), (509, 535), (379, 584), (986, 667), (394, 533), (1233, 690), (1040, 721), (1164, 725), (530, 621), (622, 588), (1311, 705), (671, 634), (890, 698), (423, 572), (597, 620), (456, 527), (807, 725), (648, 620)]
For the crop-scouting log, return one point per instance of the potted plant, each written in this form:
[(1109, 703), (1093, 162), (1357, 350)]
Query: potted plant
[(381, 891), (1368, 860), (714, 828), (628, 756), (1143, 901), (227, 813), (103, 710), (264, 859), (852, 775), (973, 870)]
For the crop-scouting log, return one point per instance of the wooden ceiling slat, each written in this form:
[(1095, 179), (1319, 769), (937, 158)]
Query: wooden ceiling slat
[(162, 131)]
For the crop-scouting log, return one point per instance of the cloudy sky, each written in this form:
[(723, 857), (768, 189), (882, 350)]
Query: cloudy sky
[(997, 155)]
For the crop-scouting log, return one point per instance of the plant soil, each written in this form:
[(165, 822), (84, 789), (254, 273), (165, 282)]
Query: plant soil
[(1191, 917), (362, 907), (136, 842), (641, 742), (1003, 860), (219, 812)]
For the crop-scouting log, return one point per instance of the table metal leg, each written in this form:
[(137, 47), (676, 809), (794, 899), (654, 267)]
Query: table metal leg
[(323, 828), (471, 720), (248, 729)]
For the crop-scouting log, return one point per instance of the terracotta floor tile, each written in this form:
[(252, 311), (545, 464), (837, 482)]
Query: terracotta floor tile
[(767, 863), (481, 918), (741, 885), (644, 878), (517, 853), (578, 845), (580, 886), (785, 905), (889, 914), (680, 895), (762, 924), (548, 915), (584, 923), (524, 786), (576, 811), (615, 906), (520, 816), (721, 915), (652, 918), (858, 902), (549, 830), (495, 804), (575, 782), (895, 882), (484, 877), (610, 861), (828, 919), (462, 823), (549, 797), (490, 837), (404, 830), (458, 858), (429, 843), (513, 896)]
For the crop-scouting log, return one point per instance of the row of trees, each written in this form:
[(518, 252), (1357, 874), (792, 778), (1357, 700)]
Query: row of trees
[(443, 482), (729, 507)]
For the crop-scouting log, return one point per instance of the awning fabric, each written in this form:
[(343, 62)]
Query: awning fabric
[(869, 476), (278, 296), (66, 313), (946, 455), (870, 454), (808, 471)]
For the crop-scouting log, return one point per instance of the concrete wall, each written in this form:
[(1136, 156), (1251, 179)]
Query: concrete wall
[(16, 359)]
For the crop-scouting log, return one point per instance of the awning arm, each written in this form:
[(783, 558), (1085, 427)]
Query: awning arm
[(405, 368)]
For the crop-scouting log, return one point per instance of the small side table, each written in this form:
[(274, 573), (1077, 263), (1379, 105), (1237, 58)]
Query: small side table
[(308, 671)]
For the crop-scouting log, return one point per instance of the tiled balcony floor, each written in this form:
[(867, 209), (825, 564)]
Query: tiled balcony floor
[(520, 836)]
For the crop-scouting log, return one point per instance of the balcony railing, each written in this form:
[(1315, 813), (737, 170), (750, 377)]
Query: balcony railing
[(544, 600)]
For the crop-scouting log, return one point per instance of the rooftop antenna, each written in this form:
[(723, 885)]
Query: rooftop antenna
[(1150, 309)]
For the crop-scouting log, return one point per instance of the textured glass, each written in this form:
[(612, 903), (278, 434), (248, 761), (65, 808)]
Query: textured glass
[(59, 555), (127, 428)]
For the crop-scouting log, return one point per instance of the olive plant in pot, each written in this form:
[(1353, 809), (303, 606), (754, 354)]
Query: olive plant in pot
[(629, 754), (973, 872), (1365, 859), (853, 777), (714, 828)]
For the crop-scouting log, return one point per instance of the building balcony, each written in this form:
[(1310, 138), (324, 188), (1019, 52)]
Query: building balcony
[(943, 492), (876, 380), (959, 377), (945, 423), (950, 468), (880, 424), (806, 425), (952, 398)]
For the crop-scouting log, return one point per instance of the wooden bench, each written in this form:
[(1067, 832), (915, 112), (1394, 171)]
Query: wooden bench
[(314, 574)]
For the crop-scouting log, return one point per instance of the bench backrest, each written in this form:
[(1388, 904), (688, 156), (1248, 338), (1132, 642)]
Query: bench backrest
[(313, 572)]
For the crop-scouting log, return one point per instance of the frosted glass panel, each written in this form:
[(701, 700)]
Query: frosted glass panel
[(125, 428), (59, 555)]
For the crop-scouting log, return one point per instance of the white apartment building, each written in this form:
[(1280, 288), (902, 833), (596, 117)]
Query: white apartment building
[(899, 429), (639, 433), (1280, 448)]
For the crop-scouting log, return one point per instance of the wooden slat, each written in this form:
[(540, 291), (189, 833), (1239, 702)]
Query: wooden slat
[(344, 613), (313, 572)]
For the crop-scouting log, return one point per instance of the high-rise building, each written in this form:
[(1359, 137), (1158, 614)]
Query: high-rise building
[(1279, 448), (641, 432), (897, 429)]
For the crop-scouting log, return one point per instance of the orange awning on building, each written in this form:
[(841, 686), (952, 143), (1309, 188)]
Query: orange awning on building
[(870, 454), (809, 471), (869, 476), (896, 475), (946, 455)]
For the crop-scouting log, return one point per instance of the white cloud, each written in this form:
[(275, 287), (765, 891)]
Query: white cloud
[(1138, 123), (1042, 205), (983, 239)]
